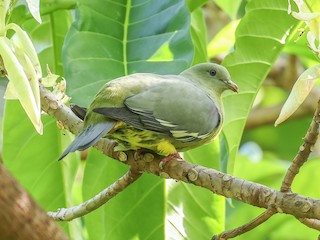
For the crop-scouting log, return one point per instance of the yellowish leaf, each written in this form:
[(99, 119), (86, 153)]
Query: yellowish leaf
[(305, 16), (224, 40), (34, 8), (22, 40), (163, 53), (299, 92), (29, 70), (10, 93), (20, 83)]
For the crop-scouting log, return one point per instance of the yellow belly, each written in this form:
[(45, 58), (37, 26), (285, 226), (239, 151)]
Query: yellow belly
[(130, 138)]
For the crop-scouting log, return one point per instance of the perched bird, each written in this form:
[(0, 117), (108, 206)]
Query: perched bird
[(162, 113)]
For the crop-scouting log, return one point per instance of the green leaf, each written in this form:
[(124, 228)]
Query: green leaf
[(198, 31), (199, 36), (296, 129), (270, 172), (258, 44), (109, 40), (142, 203), (187, 202), (32, 159), (231, 7), (195, 4), (223, 42)]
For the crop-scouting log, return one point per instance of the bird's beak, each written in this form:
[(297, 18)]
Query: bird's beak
[(232, 86)]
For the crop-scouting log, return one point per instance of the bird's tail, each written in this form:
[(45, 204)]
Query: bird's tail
[(79, 111), (88, 137)]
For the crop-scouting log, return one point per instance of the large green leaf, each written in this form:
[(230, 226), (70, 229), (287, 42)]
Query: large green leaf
[(199, 36), (187, 202), (112, 39), (198, 30), (139, 209), (260, 38), (195, 4), (231, 7), (31, 158), (223, 41)]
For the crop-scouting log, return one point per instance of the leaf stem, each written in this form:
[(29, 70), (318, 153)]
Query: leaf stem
[(125, 37)]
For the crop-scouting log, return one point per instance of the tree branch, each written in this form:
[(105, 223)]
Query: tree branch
[(246, 227), (305, 149), (302, 156), (220, 183), (311, 223), (20, 216), (63, 114), (67, 214)]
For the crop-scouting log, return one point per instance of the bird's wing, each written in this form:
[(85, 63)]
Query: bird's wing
[(179, 109), (88, 137)]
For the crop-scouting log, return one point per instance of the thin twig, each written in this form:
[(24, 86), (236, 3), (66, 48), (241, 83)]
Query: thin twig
[(311, 223), (67, 214), (304, 151), (302, 156), (246, 227)]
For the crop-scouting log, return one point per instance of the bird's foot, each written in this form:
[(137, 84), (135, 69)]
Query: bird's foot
[(168, 158)]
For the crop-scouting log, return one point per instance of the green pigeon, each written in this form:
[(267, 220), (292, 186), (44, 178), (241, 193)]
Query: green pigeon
[(166, 114)]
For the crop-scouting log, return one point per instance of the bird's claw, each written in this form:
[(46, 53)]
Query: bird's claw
[(168, 158)]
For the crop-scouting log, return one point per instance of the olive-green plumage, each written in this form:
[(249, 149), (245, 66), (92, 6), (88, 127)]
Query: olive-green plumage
[(162, 113)]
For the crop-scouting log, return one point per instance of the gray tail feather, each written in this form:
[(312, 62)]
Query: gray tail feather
[(79, 111), (88, 137)]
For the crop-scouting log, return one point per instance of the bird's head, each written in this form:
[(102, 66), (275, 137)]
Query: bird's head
[(212, 77)]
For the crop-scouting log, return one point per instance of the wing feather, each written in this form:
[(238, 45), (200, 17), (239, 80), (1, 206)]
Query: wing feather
[(180, 110)]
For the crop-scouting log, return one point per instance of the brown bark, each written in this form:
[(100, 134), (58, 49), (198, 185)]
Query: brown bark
[(20, 216)]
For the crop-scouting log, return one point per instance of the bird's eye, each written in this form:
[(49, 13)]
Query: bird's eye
[(212, 72)]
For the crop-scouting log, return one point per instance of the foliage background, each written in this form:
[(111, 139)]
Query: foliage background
[(101, 40)]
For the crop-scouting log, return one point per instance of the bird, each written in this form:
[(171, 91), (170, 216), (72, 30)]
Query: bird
[(164, 114)]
